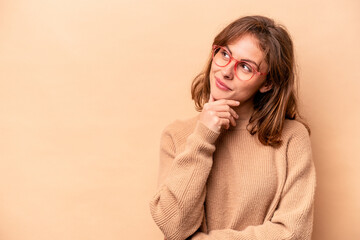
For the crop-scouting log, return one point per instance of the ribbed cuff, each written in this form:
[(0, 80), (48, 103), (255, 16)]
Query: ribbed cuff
[(205, 133)]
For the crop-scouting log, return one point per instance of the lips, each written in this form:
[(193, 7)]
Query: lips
[(221, 85)]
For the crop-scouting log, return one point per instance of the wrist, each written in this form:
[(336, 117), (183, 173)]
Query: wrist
[(206, 133)]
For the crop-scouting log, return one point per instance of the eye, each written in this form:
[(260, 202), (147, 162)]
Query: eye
[(224, 54), (245, 67)]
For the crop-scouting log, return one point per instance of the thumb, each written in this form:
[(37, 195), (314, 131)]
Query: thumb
[(211, 99)]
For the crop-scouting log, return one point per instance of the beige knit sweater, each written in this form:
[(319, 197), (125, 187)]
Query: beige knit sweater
[(229, 186)]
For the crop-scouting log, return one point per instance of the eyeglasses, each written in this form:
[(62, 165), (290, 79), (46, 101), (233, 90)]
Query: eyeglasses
[(243, 69)]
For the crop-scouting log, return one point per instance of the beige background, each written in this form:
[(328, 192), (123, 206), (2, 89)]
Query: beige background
[(87, 86)]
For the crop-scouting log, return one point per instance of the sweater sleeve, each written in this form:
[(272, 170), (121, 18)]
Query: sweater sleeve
[(177, 208), (293, 217)]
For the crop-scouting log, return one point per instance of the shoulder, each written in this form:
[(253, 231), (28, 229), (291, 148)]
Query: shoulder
[(179, 130), (179, 126), (294, 128), (296, 137)]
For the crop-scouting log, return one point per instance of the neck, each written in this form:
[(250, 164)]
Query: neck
[(244, 110)]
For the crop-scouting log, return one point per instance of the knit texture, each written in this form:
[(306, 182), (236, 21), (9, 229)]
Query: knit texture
[(228, 186)]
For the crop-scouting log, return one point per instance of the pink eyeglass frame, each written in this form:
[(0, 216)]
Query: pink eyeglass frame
[(236, 62)]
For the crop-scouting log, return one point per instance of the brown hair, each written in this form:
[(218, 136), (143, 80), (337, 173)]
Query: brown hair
[(274, 106)]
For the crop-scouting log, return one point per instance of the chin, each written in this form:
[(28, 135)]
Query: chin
[(218, 94)]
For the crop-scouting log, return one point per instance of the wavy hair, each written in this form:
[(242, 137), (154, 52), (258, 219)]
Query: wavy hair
[(274, 106)]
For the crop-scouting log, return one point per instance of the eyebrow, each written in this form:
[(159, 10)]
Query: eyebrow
[(244, 59)]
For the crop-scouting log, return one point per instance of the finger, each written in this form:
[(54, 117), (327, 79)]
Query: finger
[(229, 102), (225, 123), (211, 99), (232, 103), (233, 113), (233, 122), (228, 116), (223, 115), (224, 108)]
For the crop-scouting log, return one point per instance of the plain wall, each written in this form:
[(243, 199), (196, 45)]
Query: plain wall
[(87, 86)]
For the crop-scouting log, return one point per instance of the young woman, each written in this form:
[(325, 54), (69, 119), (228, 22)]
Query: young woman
[(242, 168)]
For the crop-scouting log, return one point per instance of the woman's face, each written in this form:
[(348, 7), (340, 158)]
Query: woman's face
[(223, 82)]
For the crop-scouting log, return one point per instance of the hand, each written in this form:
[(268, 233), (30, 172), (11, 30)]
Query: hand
[(219, 114)]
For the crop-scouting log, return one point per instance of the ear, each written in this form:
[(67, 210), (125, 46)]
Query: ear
[(267, 86)]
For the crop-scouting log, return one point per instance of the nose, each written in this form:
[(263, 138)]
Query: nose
[(228, 71)]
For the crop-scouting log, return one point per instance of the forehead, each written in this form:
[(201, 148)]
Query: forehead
[(247, 47)]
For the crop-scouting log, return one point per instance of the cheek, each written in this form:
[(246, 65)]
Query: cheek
[(213, 70), (245, 91)]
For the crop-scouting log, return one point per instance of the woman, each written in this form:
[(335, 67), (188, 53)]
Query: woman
[(242, 168)]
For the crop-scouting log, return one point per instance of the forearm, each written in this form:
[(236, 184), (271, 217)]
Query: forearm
[(177, 208), (267, 231)]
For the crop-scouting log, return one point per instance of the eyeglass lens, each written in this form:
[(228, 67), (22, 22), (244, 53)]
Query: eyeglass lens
[(221, 57)]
